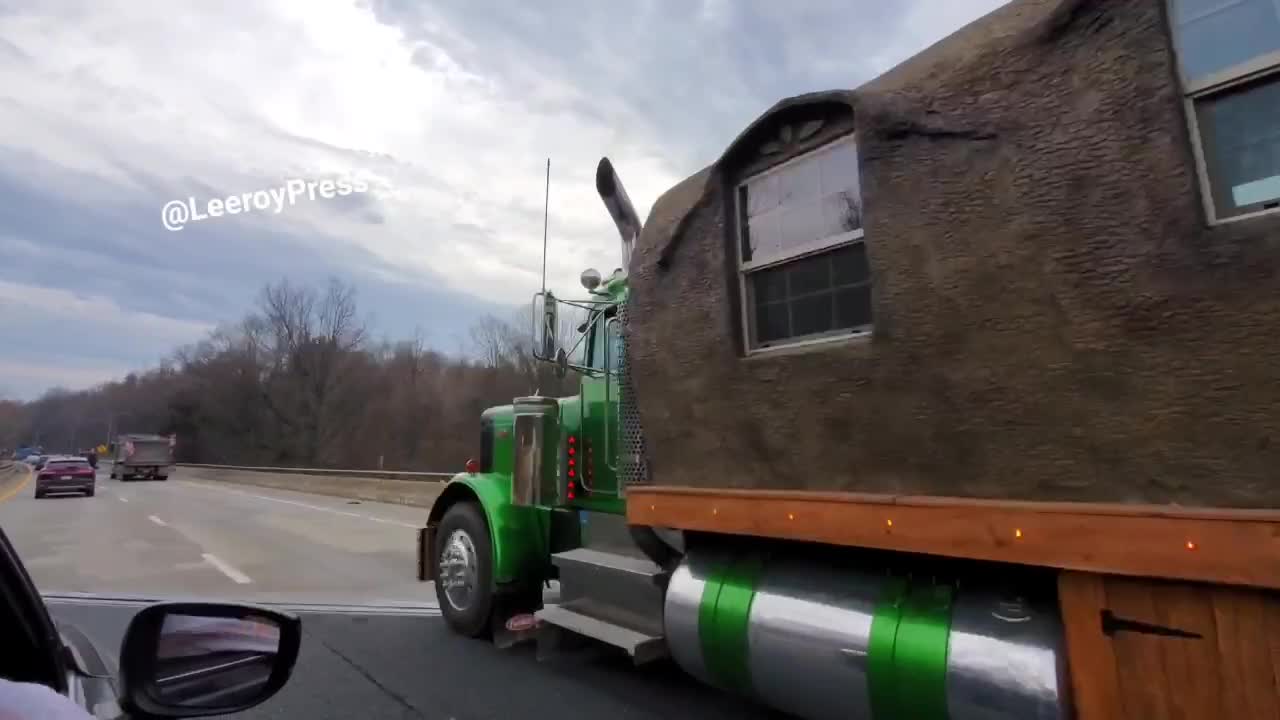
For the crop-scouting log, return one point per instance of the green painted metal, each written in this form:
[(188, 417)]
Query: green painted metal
[(880, 645), (724, 615), (519, 534), (920, 655), (907, 652)]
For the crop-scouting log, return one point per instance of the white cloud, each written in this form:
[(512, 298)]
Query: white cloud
[(26, 380), (56, 304), (450, 107), (316, 88)]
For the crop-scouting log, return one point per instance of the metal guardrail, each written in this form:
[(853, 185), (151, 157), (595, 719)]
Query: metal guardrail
[(377, 474)]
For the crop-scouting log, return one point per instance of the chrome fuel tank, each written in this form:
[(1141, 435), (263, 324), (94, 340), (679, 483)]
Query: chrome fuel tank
[(826, 641)]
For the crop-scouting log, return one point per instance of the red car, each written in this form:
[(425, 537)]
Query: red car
[(66, 475)]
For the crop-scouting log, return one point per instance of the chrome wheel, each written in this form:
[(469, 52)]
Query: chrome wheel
[(458, 569)]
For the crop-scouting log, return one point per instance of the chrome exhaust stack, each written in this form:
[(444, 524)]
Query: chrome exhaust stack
[(620, 208)]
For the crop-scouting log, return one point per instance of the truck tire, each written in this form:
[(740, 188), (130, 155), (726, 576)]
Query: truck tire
[(463, 566)]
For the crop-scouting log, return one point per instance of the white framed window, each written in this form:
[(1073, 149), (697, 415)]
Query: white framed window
[(1229, 61), (802, 255)]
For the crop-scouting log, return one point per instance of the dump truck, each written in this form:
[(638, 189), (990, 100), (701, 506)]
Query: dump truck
[(949, 396), (142, 456)]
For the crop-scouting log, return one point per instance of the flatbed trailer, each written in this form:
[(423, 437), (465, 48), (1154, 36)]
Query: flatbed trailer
[(952, 396)]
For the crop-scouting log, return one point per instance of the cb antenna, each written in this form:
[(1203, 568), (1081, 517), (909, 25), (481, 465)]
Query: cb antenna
[(546, 210)]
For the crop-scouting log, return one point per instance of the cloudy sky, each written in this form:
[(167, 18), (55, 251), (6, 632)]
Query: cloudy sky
[(447, 109)]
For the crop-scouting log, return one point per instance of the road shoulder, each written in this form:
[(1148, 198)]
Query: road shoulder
[(13, 479)]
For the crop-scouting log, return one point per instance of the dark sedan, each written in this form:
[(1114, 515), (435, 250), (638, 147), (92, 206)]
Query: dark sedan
[(66, 475)]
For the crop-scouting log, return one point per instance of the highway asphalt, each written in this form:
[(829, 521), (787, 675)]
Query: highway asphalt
[(185, 537), (374, 645)]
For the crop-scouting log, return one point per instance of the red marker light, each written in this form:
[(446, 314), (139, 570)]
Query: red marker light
[(473, 466)]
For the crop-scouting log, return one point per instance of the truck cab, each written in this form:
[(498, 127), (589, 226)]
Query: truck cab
[(546, 500)]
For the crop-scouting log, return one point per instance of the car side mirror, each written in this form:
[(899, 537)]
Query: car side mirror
[(182, 660)]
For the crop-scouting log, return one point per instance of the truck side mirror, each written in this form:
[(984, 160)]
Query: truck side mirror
[(550, 324)]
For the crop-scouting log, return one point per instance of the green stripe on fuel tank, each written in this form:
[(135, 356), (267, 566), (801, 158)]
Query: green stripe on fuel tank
[(920, 653), (723, 617), (884, 632)]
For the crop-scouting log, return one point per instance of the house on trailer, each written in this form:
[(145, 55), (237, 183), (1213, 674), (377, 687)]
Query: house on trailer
[(1037, 261)]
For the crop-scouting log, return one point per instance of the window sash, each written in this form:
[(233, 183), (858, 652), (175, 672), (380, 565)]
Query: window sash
[(1222, 184), (1181, 27), (752, 304), (1199, 94), (762, 258)]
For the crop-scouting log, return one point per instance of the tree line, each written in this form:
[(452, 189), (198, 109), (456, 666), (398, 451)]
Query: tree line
[(299, 381)]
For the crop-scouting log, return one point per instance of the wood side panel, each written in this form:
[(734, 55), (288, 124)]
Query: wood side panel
[(1095, 694), (1238, 548), (1249, 666), (1141, 675), (1193, 666)]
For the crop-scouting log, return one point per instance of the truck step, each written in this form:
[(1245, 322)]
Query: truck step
[(613, 586), (641, 646)]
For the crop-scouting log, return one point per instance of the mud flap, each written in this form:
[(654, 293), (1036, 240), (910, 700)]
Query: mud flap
[(426, 551), (513, 630), (513, 621)]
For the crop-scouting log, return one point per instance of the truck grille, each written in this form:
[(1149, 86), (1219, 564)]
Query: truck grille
[(633, 457)]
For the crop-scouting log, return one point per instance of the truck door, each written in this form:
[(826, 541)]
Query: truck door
[(600, 408)]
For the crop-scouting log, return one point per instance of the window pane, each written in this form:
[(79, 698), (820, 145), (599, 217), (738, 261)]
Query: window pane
[(812, 315), (801, 225), (810, 275), (771, 322), (763, 235), (851, 264), (762, 195), (799, 181), (806, 297), (1214, 35), (771, 284), (853, 307), (1242, 146), (840, 169), (841, 213)]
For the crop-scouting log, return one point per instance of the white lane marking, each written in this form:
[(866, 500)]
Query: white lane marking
[(123, 498), (157, 520), (306, 505), (226, 569)]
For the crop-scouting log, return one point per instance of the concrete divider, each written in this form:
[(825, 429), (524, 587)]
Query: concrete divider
[(408, 475), (415, 492)]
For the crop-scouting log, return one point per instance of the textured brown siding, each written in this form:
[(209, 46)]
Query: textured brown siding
[(1054, 318)]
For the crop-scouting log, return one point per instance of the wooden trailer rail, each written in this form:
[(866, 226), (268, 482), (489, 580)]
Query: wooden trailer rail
[(1237, 547)]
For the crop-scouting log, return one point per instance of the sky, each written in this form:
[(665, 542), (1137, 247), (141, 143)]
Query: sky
[(437, 116)]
